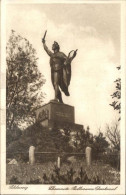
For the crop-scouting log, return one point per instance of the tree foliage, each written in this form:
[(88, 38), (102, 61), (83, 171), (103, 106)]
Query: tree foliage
[(23, 81), (116, 104), (14, 135), (113, 134), (43, 139), (100, 143), (59, 141), (82, 138)]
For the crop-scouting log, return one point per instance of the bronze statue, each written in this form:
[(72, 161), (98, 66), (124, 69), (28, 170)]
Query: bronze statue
[(60, 69)]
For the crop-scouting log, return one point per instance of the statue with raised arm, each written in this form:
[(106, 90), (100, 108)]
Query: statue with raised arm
[(60, 69)]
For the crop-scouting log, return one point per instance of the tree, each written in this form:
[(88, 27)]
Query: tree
[(82, 138), (117, 95), (100, 143), (23, 82), (14, 135), (113, 134)]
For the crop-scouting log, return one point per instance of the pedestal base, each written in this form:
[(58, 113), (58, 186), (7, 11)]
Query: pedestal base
[(57, 114)]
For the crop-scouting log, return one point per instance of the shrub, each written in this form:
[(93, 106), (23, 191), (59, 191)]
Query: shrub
[(64, 178), (112, 159)]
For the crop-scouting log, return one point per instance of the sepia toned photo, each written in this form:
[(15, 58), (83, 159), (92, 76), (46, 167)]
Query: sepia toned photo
[(63, 97)]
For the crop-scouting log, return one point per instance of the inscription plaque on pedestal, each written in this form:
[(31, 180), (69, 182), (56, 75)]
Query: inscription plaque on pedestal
[(55, 113)]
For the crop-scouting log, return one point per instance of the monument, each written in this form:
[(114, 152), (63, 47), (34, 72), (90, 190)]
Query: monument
[(56, 112)]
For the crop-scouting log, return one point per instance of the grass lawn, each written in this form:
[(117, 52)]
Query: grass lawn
[(25, 172)]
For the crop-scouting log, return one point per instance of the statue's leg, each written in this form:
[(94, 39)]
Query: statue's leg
[(56, 85), (60, 97)]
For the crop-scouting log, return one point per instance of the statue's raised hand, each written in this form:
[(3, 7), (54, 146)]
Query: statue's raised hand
[(75, 53), (43, 40)]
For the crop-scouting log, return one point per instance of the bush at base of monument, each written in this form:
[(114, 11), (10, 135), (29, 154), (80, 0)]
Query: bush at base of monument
[(43, 139)]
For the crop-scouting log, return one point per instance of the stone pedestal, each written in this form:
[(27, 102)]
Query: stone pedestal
[(57, 114)]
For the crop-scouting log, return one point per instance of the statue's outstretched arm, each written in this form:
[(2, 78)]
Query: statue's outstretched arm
[(46, 48), (74, 55), (70, 58), (44, 45)]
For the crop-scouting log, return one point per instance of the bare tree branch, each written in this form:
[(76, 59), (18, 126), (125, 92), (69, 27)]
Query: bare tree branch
[(113, 134)]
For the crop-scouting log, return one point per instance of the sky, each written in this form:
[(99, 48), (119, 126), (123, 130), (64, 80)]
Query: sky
[(93, 29)]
